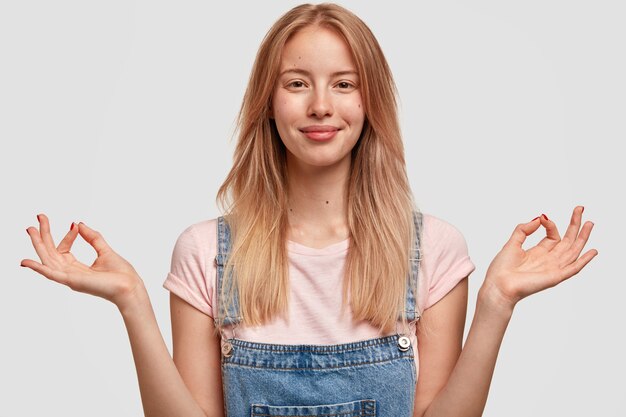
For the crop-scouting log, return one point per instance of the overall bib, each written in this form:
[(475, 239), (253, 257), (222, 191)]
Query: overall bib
[(374, 377)]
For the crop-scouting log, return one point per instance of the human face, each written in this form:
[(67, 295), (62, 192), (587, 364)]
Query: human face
[(317, 103)]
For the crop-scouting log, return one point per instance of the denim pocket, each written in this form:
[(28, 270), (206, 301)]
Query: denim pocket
[(357, 408)]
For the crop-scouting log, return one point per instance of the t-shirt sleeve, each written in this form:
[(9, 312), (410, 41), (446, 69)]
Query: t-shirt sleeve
[(445, 260), (192, 270)]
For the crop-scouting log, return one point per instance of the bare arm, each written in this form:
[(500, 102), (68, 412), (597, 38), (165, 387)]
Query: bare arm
[(439, 338), (197, 355), (163, 391), (514, 274), (467, 387)]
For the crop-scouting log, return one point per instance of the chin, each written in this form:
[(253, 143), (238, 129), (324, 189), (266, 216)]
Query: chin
[(318, 159), (324, 162)]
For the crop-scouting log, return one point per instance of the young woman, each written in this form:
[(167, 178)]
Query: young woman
[(322, 290)]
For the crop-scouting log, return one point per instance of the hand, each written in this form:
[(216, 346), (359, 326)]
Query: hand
[(516, 273), (110, 276)]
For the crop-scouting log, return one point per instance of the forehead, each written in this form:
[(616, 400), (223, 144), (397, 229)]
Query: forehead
[(317, 47)]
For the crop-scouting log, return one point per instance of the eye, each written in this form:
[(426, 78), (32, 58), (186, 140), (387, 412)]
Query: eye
[(296, 84), (344, 85)]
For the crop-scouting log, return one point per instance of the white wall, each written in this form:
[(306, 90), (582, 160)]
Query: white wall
[(119, 114)]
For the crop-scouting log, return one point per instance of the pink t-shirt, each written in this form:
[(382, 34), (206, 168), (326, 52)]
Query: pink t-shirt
[(315, 281)]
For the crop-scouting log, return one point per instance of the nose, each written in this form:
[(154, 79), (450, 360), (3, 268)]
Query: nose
[(320, 105)]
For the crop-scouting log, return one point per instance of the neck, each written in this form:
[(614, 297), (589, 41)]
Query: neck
[(317, 202)]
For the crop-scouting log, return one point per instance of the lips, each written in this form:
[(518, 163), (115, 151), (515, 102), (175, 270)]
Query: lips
[(319, 128), (320, 133)]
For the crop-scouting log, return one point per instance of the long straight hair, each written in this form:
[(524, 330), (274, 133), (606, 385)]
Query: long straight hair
[(380, 204)]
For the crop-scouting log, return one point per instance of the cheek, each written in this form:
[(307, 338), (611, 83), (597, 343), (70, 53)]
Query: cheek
[(353, 111), (282, 109)]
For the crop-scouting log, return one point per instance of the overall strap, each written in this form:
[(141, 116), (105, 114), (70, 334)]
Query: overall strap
[(227, 313), (412, 310)]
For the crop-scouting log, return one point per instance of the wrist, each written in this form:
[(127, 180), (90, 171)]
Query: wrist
[(492, 300), (133, 301)]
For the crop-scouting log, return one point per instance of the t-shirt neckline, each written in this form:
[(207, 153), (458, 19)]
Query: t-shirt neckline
[(333, 248)]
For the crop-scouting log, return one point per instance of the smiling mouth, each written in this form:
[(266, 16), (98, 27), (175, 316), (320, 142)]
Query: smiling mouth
[(319, 128), (320, 134)]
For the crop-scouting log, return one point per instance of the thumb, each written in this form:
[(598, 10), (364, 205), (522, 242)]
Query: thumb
[(94, 238)]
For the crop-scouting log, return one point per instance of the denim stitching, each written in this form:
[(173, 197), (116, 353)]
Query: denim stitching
[(320, 369)]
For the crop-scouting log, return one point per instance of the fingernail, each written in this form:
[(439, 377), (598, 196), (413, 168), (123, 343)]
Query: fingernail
[(39, 220), (583, 209), (22, 265), (545, 217), (534, 219), (72, 226), (27, 231)]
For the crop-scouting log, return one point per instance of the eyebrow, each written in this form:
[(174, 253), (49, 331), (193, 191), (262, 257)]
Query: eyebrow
[(308, 74)]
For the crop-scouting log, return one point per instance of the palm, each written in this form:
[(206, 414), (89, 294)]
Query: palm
[(516, 273), (110, 276)]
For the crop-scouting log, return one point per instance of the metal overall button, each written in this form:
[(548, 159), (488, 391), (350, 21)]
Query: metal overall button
[(404, 343), (227, 349)]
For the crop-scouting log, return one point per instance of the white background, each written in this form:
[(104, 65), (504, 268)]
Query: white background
[(119, 114)]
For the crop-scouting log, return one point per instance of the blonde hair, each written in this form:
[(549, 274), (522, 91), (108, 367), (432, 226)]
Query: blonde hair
[(380, 204)]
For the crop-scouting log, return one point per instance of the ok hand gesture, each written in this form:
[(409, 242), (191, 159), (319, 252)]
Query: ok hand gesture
[(110, 276), (516, 273)]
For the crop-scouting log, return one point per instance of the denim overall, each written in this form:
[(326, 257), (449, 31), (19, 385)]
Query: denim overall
[(374, 377)]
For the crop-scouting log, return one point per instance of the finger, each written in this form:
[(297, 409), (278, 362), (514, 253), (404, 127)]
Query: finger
[(44, 231), (574, 226), (552, 233), (94, 238), (54, 275), (522, 231), (577, 247), (575, 267), (38, 244), (67, 242)]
